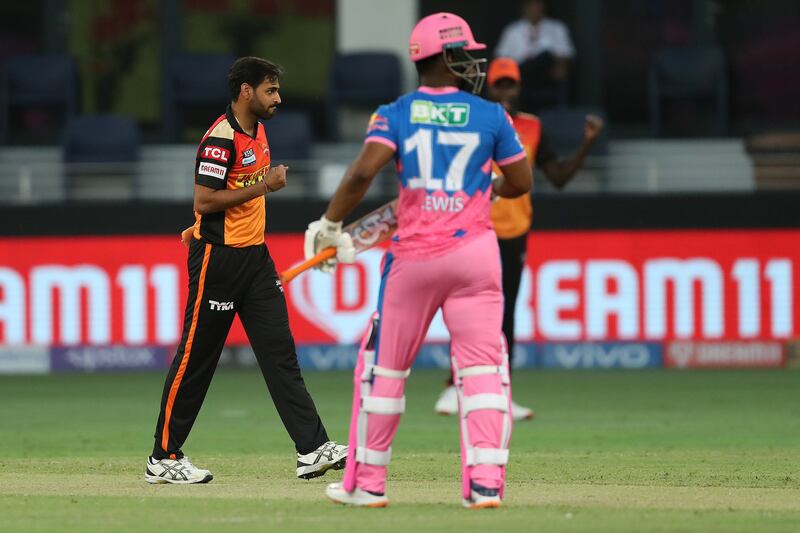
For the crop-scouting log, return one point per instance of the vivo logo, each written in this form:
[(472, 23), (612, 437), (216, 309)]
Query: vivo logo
[(635, 355)]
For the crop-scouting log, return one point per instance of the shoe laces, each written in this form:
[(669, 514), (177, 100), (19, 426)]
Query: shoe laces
[(185, 461)]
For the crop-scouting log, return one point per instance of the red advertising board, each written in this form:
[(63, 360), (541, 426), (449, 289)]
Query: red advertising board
[(726, 285)]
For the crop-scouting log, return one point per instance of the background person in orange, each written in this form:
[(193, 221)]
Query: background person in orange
[(512, 216)]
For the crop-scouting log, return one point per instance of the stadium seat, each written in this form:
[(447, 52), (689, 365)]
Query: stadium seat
[(194, 80), (564, 127), (100, 156), (689, 72), (364, 80), (37, 80), (289, 136)]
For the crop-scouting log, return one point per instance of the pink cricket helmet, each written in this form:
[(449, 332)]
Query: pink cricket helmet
[(435, 33)]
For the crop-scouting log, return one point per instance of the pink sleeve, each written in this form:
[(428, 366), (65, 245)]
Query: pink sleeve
[(512, 159), (384, 141)]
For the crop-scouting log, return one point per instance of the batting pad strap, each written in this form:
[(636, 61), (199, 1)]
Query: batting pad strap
[(369, 364), (476, 402), (478, 370), (381, 405), (373, 457), (487, 456), (390, 373)]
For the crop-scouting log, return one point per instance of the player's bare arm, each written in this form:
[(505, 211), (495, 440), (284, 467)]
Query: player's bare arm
[(560, 171), (357, 179), (327, 231), (208, 200), (516, 180)]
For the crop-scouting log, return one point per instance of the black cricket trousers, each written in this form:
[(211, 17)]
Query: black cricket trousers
[(224, 281), (512, 259)]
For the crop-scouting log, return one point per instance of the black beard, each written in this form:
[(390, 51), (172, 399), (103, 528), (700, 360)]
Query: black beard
[(266, 114)]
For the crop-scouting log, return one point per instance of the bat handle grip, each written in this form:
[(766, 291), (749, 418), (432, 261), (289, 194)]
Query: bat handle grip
[(321, 257)]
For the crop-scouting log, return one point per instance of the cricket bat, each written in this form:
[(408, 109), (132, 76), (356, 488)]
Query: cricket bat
[(369, 230)]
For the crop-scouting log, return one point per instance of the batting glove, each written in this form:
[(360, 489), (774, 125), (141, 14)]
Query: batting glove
[(324, 233)]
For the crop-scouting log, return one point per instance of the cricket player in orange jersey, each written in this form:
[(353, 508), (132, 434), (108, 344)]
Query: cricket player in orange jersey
[(231, 272)]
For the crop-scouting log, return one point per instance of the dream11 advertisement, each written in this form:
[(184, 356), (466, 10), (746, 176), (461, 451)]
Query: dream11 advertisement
[(603, 299)]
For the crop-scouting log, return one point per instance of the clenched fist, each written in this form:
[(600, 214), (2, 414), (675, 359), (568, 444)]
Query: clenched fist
[(592, 127), (276, 178)]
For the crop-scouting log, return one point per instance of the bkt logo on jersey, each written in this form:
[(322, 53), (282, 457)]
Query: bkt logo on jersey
[(452, 114), (220, 306)]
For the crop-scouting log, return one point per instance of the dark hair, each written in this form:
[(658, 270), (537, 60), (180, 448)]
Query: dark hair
[(252, 71)]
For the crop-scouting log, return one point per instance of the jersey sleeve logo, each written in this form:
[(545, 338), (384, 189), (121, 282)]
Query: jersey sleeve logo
[(216, 153), (213, 170), (377, 123)]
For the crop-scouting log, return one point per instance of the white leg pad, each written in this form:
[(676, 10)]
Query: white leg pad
[(390, 373), (378, 405), (484, 401), (383, 406), (487, 456), (373, 457), (476, 402)]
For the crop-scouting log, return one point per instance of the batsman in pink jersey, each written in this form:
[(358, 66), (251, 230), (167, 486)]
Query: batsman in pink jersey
[(444, 255)]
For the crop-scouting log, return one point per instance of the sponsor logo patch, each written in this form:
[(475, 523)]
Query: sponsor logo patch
[(732, 354), (220, 306), (452, 114), (213, 170), (246, 180), (248, 157), (216, 153), (108, 358), (377, 123), (633, 355), (450, 33)]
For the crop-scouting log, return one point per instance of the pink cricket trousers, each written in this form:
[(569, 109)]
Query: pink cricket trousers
[(466, 285)]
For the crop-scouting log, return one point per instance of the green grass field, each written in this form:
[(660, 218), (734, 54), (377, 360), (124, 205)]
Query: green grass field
[(608, 451)]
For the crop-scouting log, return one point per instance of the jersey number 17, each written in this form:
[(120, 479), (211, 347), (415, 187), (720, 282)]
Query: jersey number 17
[(422, 142)]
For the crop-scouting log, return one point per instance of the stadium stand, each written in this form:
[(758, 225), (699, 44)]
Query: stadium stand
[(689, 72), (364, 80), (34, 81), (101, 152), (184, 88)]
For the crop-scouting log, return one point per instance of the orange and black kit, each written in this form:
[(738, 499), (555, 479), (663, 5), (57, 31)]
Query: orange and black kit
[(231, 272)]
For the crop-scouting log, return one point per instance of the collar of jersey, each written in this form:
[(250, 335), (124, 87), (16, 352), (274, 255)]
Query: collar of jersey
[(235, 123), (437, 90)]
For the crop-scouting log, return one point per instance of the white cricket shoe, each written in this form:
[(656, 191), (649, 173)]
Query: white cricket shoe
[(179, 471), (361, 498), (482, 498), (447, 404), (519, 412), (314, 464)]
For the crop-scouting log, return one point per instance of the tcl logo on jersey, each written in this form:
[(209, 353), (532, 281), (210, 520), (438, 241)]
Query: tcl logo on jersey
[(215, 152)]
